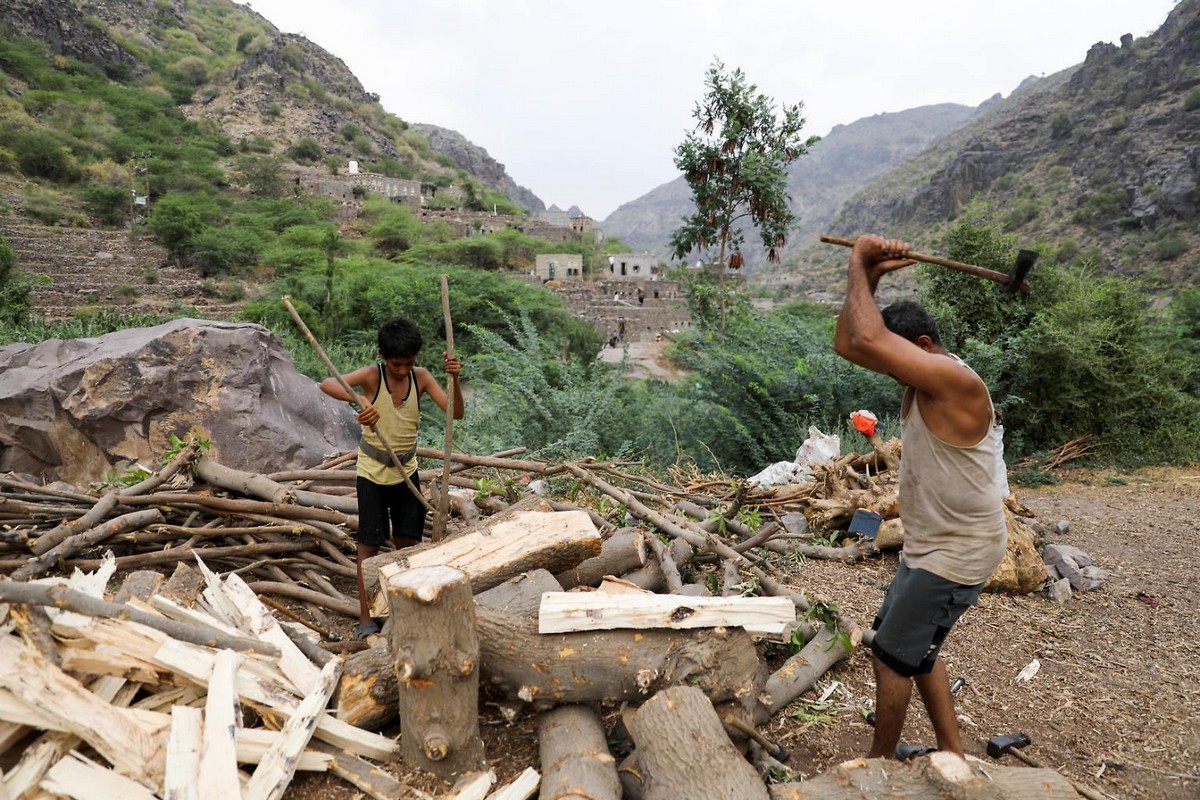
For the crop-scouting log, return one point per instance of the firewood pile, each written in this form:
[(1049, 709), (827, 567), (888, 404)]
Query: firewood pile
[(640, 596)]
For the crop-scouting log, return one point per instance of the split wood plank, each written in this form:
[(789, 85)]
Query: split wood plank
[(562, 612), (83, 779), (53, 745), (183, 754), (270, 780), (551, 540), (258, 621), (256, 686), (521, 787), (472, 786), (218, 774), (133, 748), (253, 744)]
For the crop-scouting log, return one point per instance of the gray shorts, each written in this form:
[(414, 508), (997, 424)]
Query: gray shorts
[(917, 613)]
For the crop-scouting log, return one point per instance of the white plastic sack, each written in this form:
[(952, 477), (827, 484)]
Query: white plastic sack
[(777, 474), (819, 448)]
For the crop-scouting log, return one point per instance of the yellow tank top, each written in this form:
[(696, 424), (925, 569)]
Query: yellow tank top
[(398, 424)]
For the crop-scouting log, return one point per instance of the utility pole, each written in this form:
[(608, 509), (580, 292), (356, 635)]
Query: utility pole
[(134, 169)]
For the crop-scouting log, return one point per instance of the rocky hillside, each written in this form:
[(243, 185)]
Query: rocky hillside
[(1101, 160), (476, 161), (819, 182), (232, 71)]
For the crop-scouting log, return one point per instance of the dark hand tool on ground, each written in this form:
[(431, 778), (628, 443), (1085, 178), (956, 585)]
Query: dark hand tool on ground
[(1011, 744), (1011, 282), (774, 749)]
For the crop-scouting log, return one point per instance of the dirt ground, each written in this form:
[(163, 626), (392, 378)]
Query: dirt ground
[(1115, 704)]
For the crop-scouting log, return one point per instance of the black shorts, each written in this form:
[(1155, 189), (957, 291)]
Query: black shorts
[(917, 613), (389, 512)]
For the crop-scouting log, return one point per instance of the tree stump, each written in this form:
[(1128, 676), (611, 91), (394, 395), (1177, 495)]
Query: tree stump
[(576, 764), (683, 751), (436, 647), (367, 694)]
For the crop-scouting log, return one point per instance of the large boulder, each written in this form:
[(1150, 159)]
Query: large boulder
[(75, 409)]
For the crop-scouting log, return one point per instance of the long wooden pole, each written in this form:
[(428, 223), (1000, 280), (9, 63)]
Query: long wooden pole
[(320, 351), (439, 521)]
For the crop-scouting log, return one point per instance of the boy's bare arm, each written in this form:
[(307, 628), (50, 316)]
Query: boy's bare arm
[(365, 379), (429, 384)]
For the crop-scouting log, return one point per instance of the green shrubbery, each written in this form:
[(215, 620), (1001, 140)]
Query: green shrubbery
[(108, 204), (1079, 354)]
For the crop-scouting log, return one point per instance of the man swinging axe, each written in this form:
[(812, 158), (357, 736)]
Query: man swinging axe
[(950, 501)]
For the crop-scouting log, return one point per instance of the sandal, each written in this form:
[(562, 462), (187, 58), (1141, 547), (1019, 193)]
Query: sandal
[(368, 628)]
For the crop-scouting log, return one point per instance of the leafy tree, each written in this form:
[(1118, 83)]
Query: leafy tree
[(108, 203), (175, 219), (735, 162), (223, 251), (262, 175)]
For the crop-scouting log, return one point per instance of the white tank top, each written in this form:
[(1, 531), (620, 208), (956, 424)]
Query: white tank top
[(950, 502)]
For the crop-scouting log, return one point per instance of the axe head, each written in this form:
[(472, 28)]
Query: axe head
[(1025, 259), (999, 745)]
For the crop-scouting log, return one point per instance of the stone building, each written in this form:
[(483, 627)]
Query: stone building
[(634, 267), (559, 266)]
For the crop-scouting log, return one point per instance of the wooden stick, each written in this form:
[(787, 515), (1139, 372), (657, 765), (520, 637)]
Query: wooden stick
[(348, 608), (540, 467), (439, 520), (109, 501), (320, 351), (86, 538), (60, 596)]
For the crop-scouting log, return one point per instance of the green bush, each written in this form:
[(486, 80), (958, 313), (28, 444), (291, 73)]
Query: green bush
[(15, 288), (1060, 126), (176, 218), (224, 251), (108, 204), (1081, 354), (306, 151), (1191, 100), (44, 204), (1021, 213), (261, 175), (41, 155), (1169, 247), (191, 70)]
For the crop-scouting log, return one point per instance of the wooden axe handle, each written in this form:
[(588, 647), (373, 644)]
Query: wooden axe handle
[(972, 269)]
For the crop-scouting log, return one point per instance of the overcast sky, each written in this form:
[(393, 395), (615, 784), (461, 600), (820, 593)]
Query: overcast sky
[(584, 103)]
